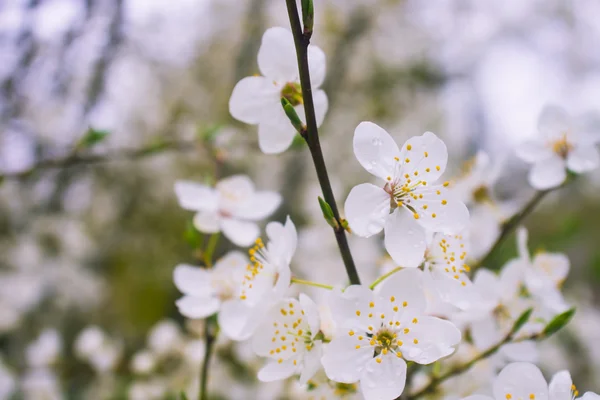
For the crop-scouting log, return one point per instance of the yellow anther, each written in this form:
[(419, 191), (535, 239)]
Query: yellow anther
[(406, 330), (357, 313), (446, 184), (392, 299), (444, 202), (433, 215), (351, 333), (414, 321), (378, 360), (357, 346), (404, 303), (416, 341), (416, 215), (408, 147), (407, 160), (426, 154), (371, 304), (437, 167), (508, 396)]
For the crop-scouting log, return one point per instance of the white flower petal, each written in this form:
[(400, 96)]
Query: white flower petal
[(384, 380), (283, 240), (195, 196), (241, 233), (343, 362), (231, 262), (238, 321), (317, 66), (344, 306), (375, 149), (590, 396), (311, 362), (259, 206), (453, 291), (583, 158), (554, 122), (311, 312), (275, 371), (366, 209), (442, 212), (321, 103), (430, 339), (520, 380), (522, 248), (406, 286), (193, 280), (512, 277), (283, 283), (427, 157), (532, 151), (547, 173), (197, 307), (555, 265), (560, 386), (277, 55), (254, 99), (485, 333), (234, 192), (404, 239), (276, 134), (207, 222)]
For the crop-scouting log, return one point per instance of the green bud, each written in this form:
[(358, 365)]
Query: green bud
[(558, 322), (92, 137), (328, 213), (308, 16), (292, 115)]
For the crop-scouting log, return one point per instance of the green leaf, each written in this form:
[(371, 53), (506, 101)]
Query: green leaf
[(522, 320), (328, 213), (308, 16), (558, 322), (183, 396), (292, 115), (92, 137)]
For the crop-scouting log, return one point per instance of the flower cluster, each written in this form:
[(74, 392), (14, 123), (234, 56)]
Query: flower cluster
[(359, 340)]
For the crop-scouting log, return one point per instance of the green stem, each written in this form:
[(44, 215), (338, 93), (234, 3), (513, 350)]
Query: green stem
[(210, 249), (311, 136), (210, 335), (509, 226), (310, 283), (384, 277), (437, 380)]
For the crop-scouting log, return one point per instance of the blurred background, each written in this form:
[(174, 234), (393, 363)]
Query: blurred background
[(131, 95)]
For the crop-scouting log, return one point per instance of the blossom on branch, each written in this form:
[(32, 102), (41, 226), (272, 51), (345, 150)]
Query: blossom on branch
[(410, 202), (256, 100), (377, 332)]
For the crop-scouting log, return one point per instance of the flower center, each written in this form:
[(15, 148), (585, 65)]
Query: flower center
[(345, 389), (481, 194), (562, 147), (259, 257), (292, 92), (385, 341)]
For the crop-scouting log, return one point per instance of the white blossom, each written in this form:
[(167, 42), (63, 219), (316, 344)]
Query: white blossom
[(256, 100), (563, 143), (264, 281), (377, 332), (288, 340), (205, 290), (233, 207), (409, 202)]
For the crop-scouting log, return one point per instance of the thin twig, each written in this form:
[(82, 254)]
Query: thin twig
[(76, 159), (311, 283), (436, 381), (311, 136), (210, 335), (509, 226)]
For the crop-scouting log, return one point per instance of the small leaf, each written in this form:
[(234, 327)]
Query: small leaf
[(92, 137), (522, 320), (183, 396), (558, 322), (292, 115), (328, 213)]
